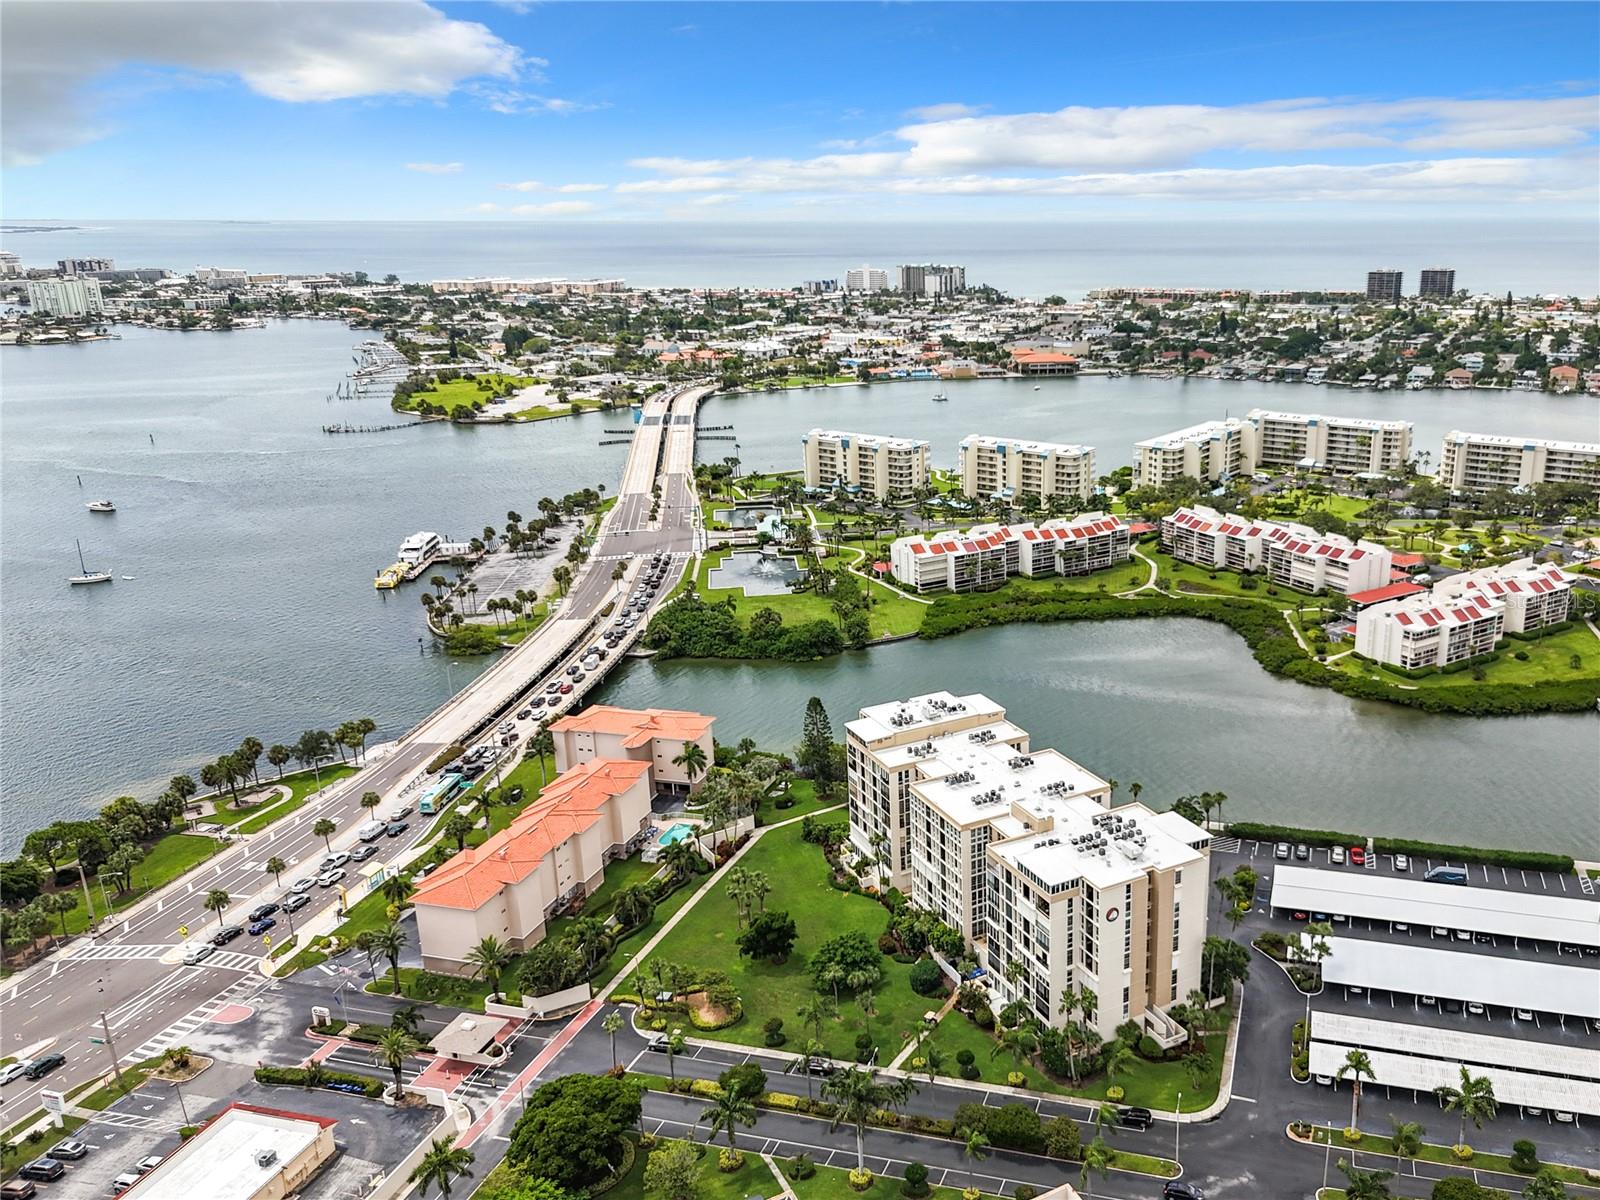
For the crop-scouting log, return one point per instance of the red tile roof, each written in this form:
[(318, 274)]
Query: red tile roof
[(1393, 591)]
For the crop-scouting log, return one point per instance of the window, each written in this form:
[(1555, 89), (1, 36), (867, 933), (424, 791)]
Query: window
[(1126, 1001)]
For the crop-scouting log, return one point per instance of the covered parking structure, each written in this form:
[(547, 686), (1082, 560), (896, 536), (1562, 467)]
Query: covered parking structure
[(1496, 911), (1423, 1057), (1514, 983)]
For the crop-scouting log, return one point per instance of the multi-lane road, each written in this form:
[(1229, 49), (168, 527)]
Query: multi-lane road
[(132, 969)]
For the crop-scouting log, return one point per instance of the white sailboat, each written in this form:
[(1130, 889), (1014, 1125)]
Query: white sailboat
[(88, 576)]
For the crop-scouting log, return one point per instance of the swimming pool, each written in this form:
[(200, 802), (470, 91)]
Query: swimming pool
[(675, 833)]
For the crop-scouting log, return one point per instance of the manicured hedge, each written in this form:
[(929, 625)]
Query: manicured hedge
[(1270, 640), (1531, 860), (300, 1077)]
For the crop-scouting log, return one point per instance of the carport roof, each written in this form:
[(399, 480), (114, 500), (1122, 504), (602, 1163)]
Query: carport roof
[(1457, 1045), (1380, 897), (1425, 1074), (1461, 975)]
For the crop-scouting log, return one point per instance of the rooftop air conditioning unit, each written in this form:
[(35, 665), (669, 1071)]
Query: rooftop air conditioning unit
[(265, 1158)]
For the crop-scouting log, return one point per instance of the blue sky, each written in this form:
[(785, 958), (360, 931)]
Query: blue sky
[(399, 110)]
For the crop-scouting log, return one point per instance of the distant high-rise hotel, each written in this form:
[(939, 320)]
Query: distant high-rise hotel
[(932, 280), (1384, 286), (866, 279), (1437, 282)]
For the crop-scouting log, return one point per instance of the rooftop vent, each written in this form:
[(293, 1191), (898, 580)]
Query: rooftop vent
[(265, 1158)]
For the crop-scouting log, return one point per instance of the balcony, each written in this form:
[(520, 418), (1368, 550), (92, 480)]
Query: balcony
[(1162, 1029)]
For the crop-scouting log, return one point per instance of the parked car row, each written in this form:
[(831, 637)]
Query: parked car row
[(52, 1166), (31, 1068)]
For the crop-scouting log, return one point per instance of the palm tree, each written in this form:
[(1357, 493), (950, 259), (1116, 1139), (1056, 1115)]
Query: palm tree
[(1097, 1158), (1407, 1139), (1474, 1099), (611, 1024), (325, 829), (370, 801), (974, 1149), (682, 859), (542, 744), (276, 867), (217, 901), (366, 942), (811, 1051), (489, 958), (818, 1009), (692, 759), (459, 826), (396, 890), (1119, 1059), (729, 1109), (1365, 1185), (1356, 1064), (855, 1095), (389, 942), (442, 1163), (393, 1046), (675, 1045)]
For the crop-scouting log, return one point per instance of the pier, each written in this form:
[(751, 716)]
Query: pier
[(348, 428)]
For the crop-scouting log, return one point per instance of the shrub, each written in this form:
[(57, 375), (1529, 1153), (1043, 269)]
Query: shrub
[(1026, 1191), (916, 1183), (983, 1017), (1062, 1138), (772, 1032), (860, 1179), (1015, 1079), (1114, 1093), (927, 979), (1351, 1136), (1150, 1048), (971, 1193), (971, 1118), (729, 1159), (1015, 1127), (970, 1072), (966, 1057), (1462, 1153), (887, 944), (1129, 1033), (801, 1167), (1524, 1156)]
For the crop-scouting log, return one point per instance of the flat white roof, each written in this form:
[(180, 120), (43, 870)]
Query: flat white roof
[(1025, 445), (1425, 1074), (1460, 975), (1266, 414), (1202, 432), (898, 717), (1518, 443), (1379, 897), (219, 1162), (1103, 846), (1458, 1045)]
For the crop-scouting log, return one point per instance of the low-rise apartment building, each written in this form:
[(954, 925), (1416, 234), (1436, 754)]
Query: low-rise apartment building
[(654, 736), (1209, 451), (1011, 467), (1340, 445), (1426, 631), (986, 555), (1020, 850), (554, 852), (1477, 462), (1535, 595), (864, 463), (1289, 554)]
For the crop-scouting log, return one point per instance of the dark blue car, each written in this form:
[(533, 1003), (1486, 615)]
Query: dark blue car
[(261, 926)]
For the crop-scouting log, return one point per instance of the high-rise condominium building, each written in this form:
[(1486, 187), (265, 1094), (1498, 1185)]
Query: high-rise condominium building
[(84, 266), (70, 297), (1011, 467), (1438, 283), (1342, 445), (1477, 462), (1209, 451), (932, 280), (866, 279), (1385, 285), (1021, 851), (864, 463)]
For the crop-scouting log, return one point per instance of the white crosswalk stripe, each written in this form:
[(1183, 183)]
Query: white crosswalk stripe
[(124, 1120), (1585, 883), (237, 992), (93, 953), (1227, 845)]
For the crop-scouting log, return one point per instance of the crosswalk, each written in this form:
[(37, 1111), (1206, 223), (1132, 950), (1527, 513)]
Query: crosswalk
[(1225, 845), (1585, 884), (127, 1120), (229, 960), (237, 992)]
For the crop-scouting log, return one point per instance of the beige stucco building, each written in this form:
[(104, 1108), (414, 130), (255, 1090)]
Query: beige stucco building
[(1009, 468), (655, 736)]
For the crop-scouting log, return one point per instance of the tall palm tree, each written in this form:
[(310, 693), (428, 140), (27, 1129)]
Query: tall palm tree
[(370, 801), (1120, 1058), (1356, 1064), (810, 1052), (275, 866), (692, 759), (729, 1109), (855, 1095), (489, 958), (818, 1009), (396, 890), (676, 1043), (682, 859), (1473, 1098), (974, 1149), (1365, 1185), (393, 1046), (441, 1164), (325, 829), (389, 942), (611, 1024), (217, 901), (542, 744)]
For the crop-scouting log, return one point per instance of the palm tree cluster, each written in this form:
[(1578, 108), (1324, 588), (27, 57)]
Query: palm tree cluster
[(313, 748)]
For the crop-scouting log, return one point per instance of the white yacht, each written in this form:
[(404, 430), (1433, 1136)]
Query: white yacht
[(101, 506)]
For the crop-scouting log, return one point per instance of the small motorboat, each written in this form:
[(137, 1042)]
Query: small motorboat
[(88, 576), (1036, 387), (939, 397), (101, 506)]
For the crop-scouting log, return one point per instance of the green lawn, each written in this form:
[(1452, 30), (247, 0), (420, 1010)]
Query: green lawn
[(1151, 1084), (887, 615), (163, 862), (301, 789), (806, 801), (799, 877), (1186, 577), (1549, 658), (465, 391), (618, 875), (752, 1179), (622, 954), (1372, 1143), (833, 1183), (417, 984)]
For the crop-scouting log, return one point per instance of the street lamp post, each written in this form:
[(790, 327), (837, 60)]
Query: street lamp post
[(1177, 1130)]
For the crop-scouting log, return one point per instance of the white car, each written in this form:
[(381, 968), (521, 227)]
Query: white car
[(1524, 1014), (329, 878), (302, 885), (337, 859), (1402, 863), (1336, 856), (198, 952), (12, 1071)]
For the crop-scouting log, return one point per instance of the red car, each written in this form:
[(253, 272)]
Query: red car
[(1358, 856), (566, 689)]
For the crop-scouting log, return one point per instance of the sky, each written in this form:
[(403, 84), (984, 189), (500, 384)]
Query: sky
[(403, 110)]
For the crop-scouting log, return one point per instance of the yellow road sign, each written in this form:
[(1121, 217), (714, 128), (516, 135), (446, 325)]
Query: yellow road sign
[(183, 931)]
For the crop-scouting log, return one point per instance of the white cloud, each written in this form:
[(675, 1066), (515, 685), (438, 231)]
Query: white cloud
[(583, 187), (514, 101), (942, 112), (296, 53), (714, 200), (533, 185), (555, 208), (427, 168), (527, 185)]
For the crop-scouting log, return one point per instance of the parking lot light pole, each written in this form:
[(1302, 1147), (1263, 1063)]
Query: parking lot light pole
[(1177, 1130)]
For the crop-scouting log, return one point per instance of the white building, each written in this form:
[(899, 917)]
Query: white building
[(880, 467), (222, 276), (1476, 462), (1211, 450), (1011, 467), (84, 266), (986, 555), (73, 297), (1341, 445), (866, 279), (1289, 554), (10, 264), (245, 1152), (1018, 849), (1534, 595), (1425, 631)]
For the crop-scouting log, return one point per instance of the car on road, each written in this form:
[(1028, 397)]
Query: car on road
[(1447, 874), (1358, 855), (400, 812), (69, 1151), (1336, 856), (363, 852), (1474, 1008), (1281, 851), (44, 1169), (1135, 1117), (295, 901), (330, 877), (552, 687), (1178, 1190), (396, 828), (1302, 852), (13, 1071), (39, 1067), (1524, 1014), (1402, 862), (566, 689), (573, 669), (302, 885), (337, 859), (226, 934), (198, 953), (257, 928), (507, 726), (262, 910)]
